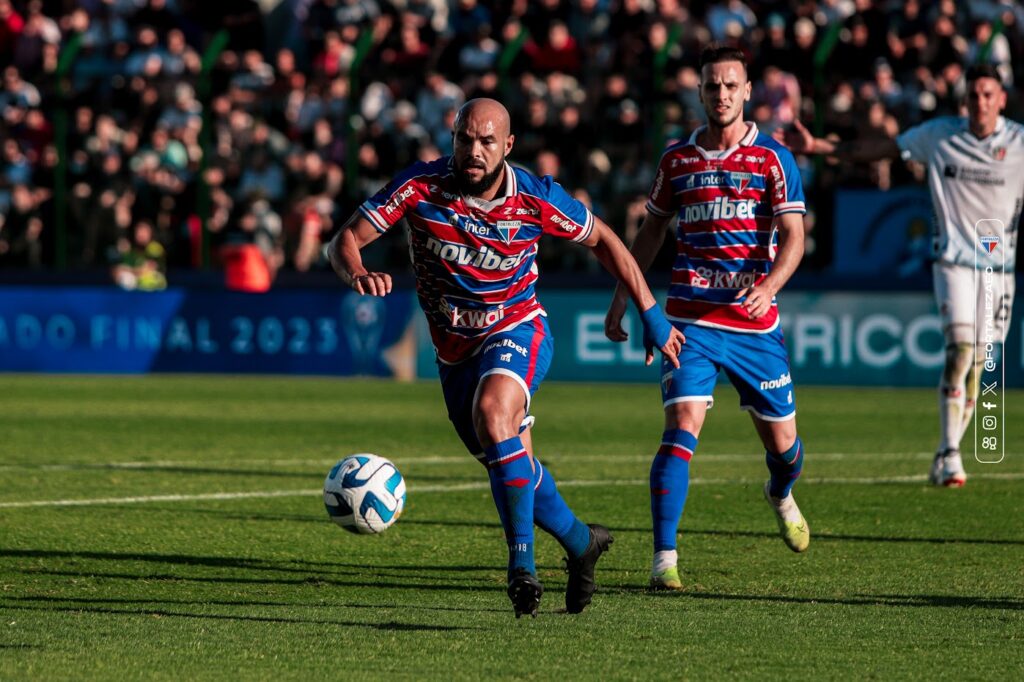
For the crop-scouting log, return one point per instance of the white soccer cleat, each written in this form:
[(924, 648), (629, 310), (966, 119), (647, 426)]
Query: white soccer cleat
[(948, 469), (792, 524)]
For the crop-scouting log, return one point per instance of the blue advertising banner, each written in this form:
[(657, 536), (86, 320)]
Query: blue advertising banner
[(833, 338), (44, 329), (880, 232)]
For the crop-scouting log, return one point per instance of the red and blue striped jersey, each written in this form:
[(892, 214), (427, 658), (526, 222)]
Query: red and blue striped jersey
[(726, 202), (474, 260)]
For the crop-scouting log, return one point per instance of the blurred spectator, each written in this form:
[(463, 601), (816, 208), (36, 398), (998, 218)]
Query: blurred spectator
[(988, 48), (557, 52), (141, 261), (730, 19), (775, 99), (250, 248), (21, 229), (437, 97)]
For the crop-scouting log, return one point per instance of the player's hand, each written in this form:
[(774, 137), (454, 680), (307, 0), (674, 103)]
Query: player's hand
[(372, 284), (799, 139), (613, 320), (659, 333), (670, 350), (759, 300)]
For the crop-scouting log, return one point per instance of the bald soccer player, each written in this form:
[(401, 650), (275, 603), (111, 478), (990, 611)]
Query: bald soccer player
[(474, 226)]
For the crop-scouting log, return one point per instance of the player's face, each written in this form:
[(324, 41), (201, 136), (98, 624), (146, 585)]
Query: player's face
[(480, 147), (723, 90), (985, 99)]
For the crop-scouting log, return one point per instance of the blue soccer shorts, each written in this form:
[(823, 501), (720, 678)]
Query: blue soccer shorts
[(522, 353), (756, 364)]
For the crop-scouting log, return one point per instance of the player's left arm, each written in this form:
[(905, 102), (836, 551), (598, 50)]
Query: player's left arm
[(791, 251), (617, 260)]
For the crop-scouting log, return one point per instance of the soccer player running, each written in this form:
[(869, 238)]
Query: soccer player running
[(976, 178), (739, 202), (474, 226)]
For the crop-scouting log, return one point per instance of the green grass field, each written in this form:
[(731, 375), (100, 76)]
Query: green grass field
[(160, 574)]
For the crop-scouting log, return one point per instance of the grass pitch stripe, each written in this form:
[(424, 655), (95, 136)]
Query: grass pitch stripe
[(474, 485)]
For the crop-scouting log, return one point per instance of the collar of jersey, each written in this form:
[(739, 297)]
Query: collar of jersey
[(747, 140)]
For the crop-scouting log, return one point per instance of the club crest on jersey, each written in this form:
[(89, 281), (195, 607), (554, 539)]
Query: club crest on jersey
[(740, 180), (508, 229), (999, 153), (989, 242)]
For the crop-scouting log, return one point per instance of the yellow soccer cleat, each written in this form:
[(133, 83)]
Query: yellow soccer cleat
[(792, 524), (666, 580)]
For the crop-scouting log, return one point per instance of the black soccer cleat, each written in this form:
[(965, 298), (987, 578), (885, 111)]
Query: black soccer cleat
[(581, 586), (524, 590)]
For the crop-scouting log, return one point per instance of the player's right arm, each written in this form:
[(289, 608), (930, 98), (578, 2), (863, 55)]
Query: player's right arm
[(343, 252), (645, 248), (801, 141)]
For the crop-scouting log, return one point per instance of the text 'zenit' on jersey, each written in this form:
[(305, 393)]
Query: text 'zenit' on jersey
[(726, 202), (474, 260)]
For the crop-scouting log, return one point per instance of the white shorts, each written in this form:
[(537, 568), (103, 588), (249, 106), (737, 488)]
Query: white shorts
[(974, 304)]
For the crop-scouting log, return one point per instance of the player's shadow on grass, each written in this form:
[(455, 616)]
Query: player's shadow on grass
[(831, 536), (380, 581), (278, 565), (388, 626), (306, 572), (304, 518), (237, 602)]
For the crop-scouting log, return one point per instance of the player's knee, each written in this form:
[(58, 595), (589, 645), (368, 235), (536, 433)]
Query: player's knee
[(777, 436), (959, 358), (686, 416), (494, 420)]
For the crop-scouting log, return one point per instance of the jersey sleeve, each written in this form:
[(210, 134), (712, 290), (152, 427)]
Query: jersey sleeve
[(563, 216), (917, 143), (391, 202), (661, 201), (784, 185)]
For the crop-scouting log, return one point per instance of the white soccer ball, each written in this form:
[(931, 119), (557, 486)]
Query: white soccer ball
[(364, 493)]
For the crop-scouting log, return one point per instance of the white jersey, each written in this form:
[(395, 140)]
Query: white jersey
[(977, 187)]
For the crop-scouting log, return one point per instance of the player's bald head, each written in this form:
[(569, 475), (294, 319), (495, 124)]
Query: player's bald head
[(484, 113)]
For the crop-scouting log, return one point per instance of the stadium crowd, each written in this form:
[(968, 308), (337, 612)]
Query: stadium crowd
[(313, 104)]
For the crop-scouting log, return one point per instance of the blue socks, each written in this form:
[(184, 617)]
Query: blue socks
[(512, 481), (784, 467), (670, 479), (553, 515)]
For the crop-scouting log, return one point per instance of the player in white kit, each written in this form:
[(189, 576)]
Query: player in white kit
[(976, 178)]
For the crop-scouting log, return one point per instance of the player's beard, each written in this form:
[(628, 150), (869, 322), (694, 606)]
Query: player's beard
[(728, 120), (471, 188)]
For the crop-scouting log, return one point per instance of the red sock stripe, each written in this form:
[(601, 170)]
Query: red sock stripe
[(538, 336), (675, 451), (502, 461)]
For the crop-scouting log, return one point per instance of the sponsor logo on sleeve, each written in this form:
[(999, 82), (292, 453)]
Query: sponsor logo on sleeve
[(398, 198), (564, 223)]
